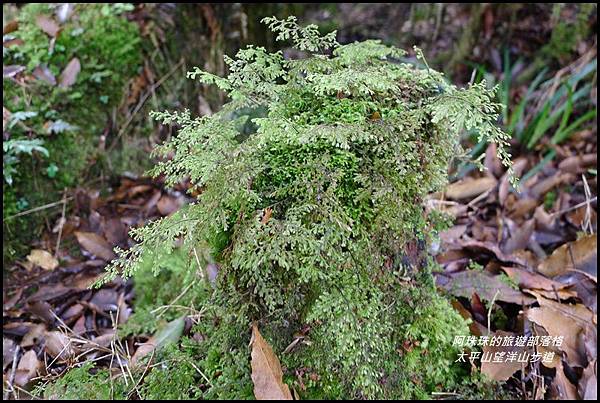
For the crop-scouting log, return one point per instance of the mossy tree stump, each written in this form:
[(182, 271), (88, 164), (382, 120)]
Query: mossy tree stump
[(316, 219)]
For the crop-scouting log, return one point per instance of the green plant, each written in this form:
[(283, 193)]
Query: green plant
[(556, 106), (12, 149), (176, 378), (316, 218), (62, 122), (85, 383), (172, 279), (555, 109)]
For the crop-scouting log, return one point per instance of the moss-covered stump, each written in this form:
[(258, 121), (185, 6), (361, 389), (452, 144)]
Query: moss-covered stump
[(73, 67), (316, 219)]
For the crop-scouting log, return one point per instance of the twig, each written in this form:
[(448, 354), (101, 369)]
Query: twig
[(33, 210), (11, 378), (489, 315), (143, 374), (20, 389), (62, 223), (166, 307), (587, 221), (200, 372), (480, 197), (142, 102), (575, 207)]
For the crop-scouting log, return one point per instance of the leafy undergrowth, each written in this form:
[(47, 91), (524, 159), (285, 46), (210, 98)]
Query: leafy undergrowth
[(66, 69), (315, 219), (513, 264)]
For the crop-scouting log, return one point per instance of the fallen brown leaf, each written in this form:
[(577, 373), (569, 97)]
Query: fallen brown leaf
[(69, 75), (95, 244), (29, 366), (464, 283), (267, 375), (588, 385), (267, 215), (49, 292), (168, 334), (58, 345), (536, 282), (43, 259), (168, 205), (42, 310), (8, 351), (468, 188), (567, 321), (579, 255), (10, 26), (34, 335), (501, 371), (578, 163), (520, 238), (48, 25), (565, 390)]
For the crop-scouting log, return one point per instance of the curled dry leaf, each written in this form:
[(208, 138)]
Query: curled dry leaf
[(477, 247), (580, 255), (501, 371), (267, 375), (42, 72), (476, 328), (95, 244), (467, 188), (29, 366), (12, 70), (69, 75), (43, 259)]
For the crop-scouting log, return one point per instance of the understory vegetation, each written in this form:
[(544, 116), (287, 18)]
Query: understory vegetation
[(200, 204), (56, 119), (315, 220)]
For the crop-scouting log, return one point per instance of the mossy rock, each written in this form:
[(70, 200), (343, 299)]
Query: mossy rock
[(70, 121)]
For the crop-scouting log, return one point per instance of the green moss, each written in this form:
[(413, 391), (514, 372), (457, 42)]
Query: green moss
[(70, 121), (566, 33), (317, 219), (175, 278), (86, 383), (175, 378)]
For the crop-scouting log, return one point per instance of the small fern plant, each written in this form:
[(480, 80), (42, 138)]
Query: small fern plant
[(316, 218)]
